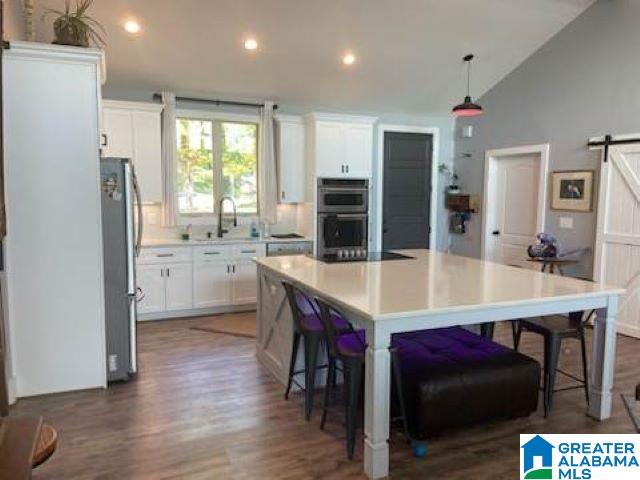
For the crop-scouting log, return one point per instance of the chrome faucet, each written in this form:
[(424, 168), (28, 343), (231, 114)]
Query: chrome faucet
[(222, 231)]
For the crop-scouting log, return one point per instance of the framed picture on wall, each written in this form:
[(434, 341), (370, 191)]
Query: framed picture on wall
[(572, 190)]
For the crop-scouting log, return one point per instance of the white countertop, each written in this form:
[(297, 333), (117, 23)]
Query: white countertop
[(177, 242), (432, 282)]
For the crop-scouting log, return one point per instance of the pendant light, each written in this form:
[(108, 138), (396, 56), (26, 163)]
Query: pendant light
[(467, 108)]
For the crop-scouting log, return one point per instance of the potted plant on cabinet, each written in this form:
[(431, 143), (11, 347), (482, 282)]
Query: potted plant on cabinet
[(75, 27), (450, 172)]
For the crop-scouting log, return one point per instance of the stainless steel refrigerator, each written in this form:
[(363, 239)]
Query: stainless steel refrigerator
[(121, 244)]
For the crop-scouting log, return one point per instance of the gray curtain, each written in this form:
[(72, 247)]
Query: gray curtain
[(267, 181), (169, 166)]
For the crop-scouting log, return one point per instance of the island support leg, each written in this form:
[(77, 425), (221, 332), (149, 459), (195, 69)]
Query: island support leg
[(377, 402), (604, 359)]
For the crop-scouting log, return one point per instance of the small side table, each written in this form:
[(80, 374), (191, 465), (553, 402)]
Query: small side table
[(552, 263)]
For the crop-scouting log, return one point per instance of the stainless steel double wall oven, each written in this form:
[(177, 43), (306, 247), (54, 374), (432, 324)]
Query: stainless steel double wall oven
[(343, 218)]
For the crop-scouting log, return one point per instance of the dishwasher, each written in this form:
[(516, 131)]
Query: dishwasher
[(278, 249)]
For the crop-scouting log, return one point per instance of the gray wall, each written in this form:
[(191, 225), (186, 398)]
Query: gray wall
[(14, 26), (584, 82)]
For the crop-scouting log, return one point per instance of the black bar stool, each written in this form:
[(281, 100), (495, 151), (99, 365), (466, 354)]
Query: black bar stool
[(307, 327), (349, 348), (555, 329)]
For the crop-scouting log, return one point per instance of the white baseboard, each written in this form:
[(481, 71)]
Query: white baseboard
[(11, 389), (196, 312), (629, 331)]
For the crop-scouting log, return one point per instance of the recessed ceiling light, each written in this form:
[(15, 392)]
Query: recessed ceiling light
[(251, 44), (133, 27), (349, 59)]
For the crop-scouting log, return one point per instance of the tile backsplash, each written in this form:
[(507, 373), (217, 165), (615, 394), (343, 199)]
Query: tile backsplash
[(290, 219)]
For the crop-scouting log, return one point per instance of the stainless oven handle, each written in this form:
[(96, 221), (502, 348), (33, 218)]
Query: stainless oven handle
[(352, 190), (362, 216)]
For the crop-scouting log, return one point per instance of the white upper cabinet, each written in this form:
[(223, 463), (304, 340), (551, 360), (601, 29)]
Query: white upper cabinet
[(358, 146), (147, 154), (291, 161), (330, 153), (340, 146), (117, 133), (133, 130)]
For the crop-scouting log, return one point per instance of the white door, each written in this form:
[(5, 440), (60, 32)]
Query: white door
[(513, 207), (617, 258), (118, 128), (211, 284), (358, 150), (147, 154), (150, 279), (179, 286), (245, 283), (330, 149)]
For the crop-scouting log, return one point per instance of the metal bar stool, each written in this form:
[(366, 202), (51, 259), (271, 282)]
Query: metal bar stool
[(307, 327), (349, 348), (555, 329)]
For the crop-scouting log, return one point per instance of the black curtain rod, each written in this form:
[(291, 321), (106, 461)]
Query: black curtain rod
[(157, 96), (608, 141)]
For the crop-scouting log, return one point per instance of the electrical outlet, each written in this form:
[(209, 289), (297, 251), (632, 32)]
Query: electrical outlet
[(565, 222), (113, 363)]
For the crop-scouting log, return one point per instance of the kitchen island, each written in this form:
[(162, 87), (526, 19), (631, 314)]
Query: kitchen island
[(429, 290)]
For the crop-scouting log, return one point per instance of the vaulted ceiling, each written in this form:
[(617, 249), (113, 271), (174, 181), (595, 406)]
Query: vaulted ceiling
[(408, 51)]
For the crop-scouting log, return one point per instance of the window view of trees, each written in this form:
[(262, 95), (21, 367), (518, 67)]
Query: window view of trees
[(216, 158)]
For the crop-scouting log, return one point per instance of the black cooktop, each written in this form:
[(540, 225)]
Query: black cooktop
[(371, 257)]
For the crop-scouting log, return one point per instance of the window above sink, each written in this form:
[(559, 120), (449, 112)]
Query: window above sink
[(216, 157)]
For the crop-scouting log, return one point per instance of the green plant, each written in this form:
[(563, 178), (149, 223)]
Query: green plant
[(76, 27), (449, 171)]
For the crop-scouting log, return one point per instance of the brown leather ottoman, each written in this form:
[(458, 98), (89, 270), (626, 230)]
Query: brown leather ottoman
[(454, 378)]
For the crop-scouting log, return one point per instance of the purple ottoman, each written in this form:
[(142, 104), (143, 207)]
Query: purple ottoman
[(453, 378)]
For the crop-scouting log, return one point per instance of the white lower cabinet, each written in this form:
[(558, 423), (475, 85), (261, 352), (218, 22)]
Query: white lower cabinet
[(196, 278), (150, 280), (179, 286), (211, 285), (165, 287), (245, 286)]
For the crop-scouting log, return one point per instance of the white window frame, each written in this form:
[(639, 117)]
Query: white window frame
[(195, 114)]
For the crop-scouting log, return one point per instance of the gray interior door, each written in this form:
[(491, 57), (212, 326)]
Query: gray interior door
[(407, 190)]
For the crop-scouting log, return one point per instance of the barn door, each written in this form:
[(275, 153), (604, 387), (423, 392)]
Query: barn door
[(617, 258)]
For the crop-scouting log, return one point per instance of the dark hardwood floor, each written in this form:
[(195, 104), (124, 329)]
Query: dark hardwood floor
[(203, 408)]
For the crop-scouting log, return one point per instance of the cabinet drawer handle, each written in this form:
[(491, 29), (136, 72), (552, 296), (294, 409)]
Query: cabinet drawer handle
[(105, 140), (212, 253), (247, 251), (164, 255)]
